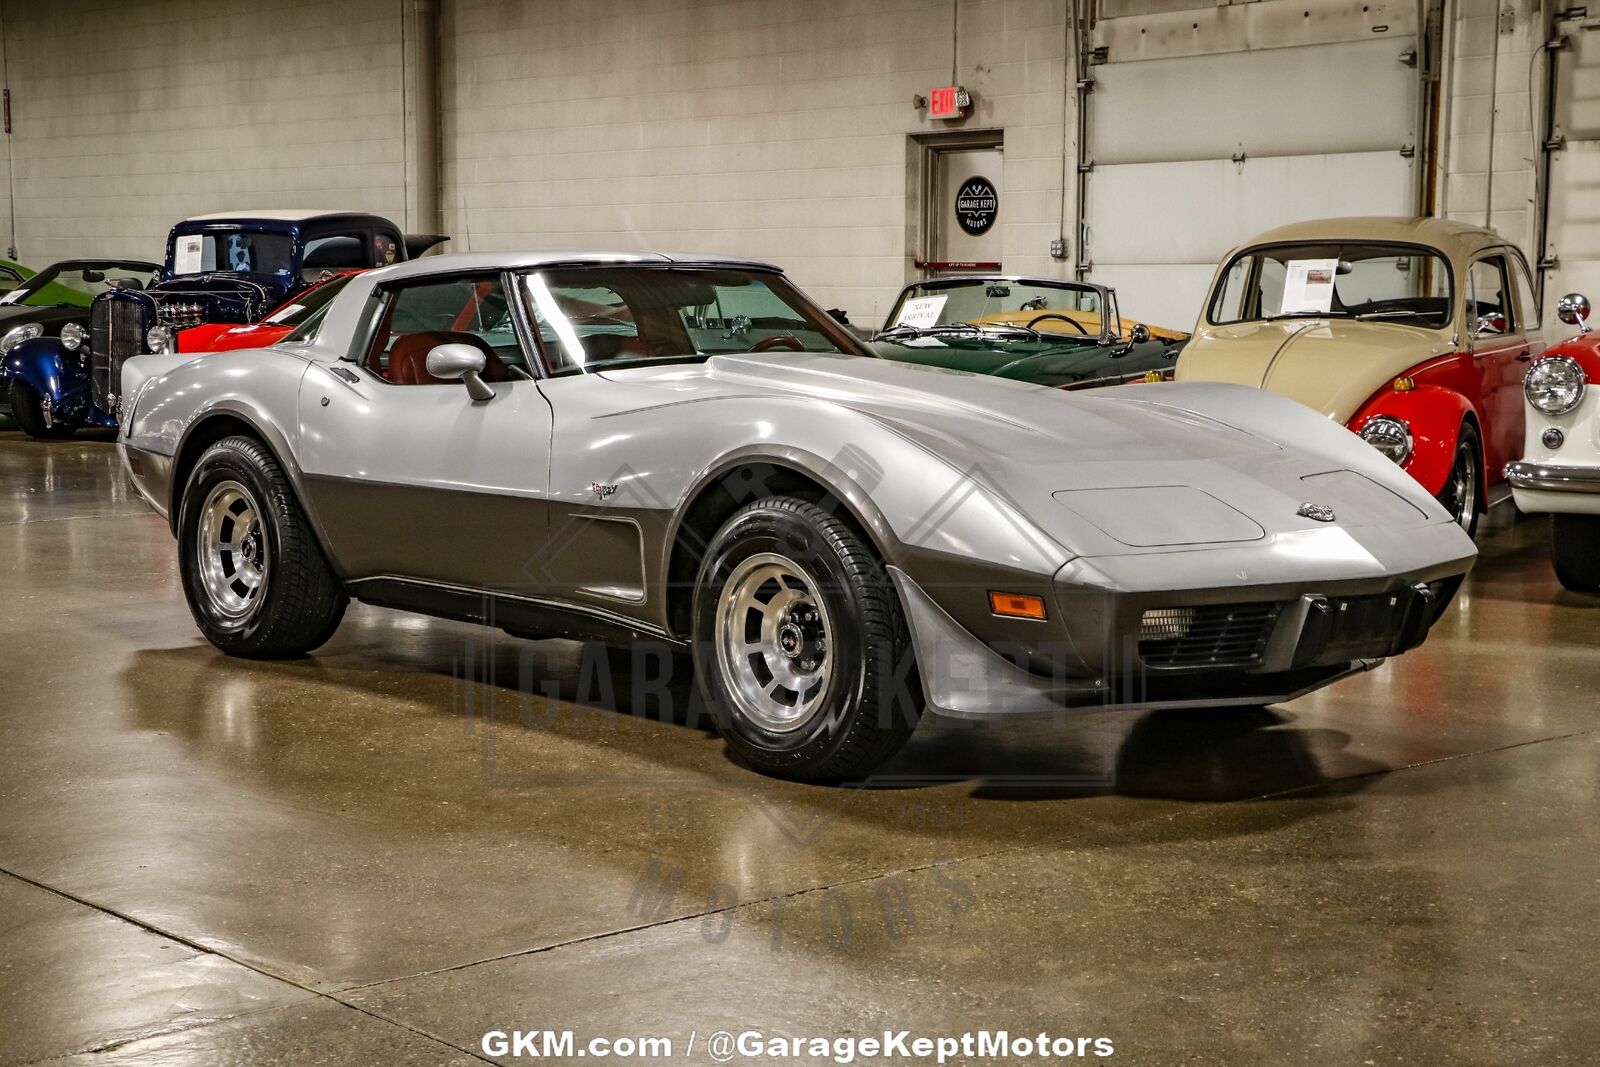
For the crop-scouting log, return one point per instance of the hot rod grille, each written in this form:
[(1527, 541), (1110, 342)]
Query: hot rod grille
[(116, 333), (1208, 635)]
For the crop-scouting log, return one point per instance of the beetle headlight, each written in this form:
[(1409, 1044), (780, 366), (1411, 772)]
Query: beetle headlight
[(74, 336), (1389, 435), (18, 334), (159, 339), (1556, 385)]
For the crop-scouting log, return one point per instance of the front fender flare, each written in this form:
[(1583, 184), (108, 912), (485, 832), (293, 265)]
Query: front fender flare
[(48, 367), (1435, 416)]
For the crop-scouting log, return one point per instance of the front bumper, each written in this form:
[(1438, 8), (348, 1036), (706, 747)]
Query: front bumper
[(1259, 651), (1552, 478)]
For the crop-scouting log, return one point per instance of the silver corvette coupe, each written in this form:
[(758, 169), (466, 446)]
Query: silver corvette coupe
[(686, 450)]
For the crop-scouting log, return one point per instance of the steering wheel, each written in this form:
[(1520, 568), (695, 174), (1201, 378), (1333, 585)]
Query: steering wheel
[(781, 340), (1057, 315)]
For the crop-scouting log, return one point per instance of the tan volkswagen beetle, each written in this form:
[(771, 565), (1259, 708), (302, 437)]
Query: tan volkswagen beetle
[(1415, 333)]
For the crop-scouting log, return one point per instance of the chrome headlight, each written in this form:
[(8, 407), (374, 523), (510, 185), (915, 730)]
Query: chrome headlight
[(18, 334), (1555, 385), (74, 336), (159, 339), (1389, 435)]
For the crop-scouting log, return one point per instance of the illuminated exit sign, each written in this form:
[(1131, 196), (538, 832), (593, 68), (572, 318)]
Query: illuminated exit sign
[(948, 102)]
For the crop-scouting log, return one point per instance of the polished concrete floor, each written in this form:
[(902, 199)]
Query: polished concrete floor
[(428, 831)]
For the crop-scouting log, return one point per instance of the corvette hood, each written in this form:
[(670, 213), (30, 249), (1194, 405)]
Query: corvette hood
[(995, 419), (1330, 365)]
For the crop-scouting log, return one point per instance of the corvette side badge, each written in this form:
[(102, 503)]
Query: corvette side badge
[(601, 490)]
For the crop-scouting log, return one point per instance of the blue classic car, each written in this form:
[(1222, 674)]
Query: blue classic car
[(229, 268), (50, 312)]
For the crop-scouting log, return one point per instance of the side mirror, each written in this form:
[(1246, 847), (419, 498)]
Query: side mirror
[(1573, 309), (838, 315), (1139, 334), (464, 363), (1484, 326)]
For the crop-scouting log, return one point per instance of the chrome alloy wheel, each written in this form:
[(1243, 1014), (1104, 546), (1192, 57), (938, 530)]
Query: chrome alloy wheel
[(232, 550), (1462, 489), (772, 634)]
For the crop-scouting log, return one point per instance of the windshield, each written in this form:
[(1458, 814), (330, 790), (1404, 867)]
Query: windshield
[(1388, 282), (307, 303), (77, 284), (232, 249), (1073, 310), (591, 318)]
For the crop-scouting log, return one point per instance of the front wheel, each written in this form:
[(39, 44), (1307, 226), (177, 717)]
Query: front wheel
[(27, 407), (802, 651), (1460, 493), (255, 577), (1575, 551)]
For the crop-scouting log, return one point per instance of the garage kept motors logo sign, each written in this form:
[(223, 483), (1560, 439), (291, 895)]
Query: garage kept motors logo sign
[(977, 204)]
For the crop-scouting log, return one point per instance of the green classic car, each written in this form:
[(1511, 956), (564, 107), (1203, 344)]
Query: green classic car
[(1056, 333)]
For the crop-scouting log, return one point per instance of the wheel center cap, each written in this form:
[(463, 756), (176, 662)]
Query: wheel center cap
[(790, 638), (801, 638)]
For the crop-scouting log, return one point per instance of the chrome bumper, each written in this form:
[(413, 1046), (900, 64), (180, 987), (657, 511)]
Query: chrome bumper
[(1551, 478)]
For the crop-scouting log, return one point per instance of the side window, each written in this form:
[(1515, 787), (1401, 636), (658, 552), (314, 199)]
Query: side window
[(338, 251), (1229, 304), (9, 280), (1488, 297), (417, 318), (580, 324), (1532, 315)]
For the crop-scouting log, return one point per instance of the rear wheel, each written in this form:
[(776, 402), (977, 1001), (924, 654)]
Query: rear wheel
[(1575, 551), (1460, 493), (27, 407), (256, 580), (802, 651)]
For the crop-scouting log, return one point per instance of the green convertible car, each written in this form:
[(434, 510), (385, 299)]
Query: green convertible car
[(1056, 333)]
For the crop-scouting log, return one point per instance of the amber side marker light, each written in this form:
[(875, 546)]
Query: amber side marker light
[(1404, 385), (1016, 605)]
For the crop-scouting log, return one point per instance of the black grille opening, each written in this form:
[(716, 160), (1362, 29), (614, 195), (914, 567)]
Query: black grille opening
[(1206, 635)]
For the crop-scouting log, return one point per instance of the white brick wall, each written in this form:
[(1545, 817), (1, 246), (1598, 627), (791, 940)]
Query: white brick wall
[(769, 129), (1491, 47), (127, 117)]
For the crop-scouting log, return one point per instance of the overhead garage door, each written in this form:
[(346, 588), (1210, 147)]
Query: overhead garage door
[(1573, 238), (1193, 154)]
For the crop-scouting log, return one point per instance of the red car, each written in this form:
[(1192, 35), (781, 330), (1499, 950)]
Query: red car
[(278, 324)]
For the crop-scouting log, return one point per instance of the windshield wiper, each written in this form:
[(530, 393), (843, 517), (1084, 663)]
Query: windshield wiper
[(1392, 312), (1307, 315)]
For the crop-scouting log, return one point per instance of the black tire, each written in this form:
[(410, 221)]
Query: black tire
[(297, 602), (1575, 551), (27, 408), (1463, 485), (871, 699)]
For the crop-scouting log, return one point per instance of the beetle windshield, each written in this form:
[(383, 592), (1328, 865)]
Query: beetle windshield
[(592, 318), (77, 284), (232, 249), (1378, 282), (1063, 308)]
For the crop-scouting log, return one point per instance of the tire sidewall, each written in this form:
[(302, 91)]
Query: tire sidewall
[(1468, 439), (220, 463), (772, 529)]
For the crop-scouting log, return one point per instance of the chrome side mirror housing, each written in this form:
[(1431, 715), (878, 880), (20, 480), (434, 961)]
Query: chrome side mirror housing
[(1139, 334), (463, 363), (1573, 309), (1483, 326)]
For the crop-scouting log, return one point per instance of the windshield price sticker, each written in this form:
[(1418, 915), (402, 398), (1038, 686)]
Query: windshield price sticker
[(1308, 286), (921, 312), (187, 253)]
